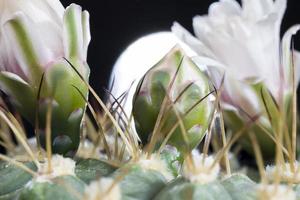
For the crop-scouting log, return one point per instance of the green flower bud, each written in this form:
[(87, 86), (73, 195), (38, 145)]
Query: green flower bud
[(178, 89)]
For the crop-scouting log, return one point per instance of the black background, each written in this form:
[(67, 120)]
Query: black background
[(116, 24)]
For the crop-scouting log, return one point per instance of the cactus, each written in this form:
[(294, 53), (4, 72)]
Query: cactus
[(177, 148), (169, 171)]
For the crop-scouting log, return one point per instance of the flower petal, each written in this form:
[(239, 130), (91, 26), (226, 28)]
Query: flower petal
[(7, 60), (287, 53), (190, 40), (241, 95), (86, 32), (35, 10), (26, 46), (224, 8), (256, 9), (73, 32), (236, 93), (56, 7)]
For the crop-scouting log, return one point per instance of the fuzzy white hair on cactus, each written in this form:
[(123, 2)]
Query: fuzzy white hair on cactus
[(105, 188), (60, 167), (285, 171), (35, 37), (275, 192), (155, 162), (88, 150), (204, 170)]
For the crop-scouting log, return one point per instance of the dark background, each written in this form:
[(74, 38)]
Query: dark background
[(115, 24)]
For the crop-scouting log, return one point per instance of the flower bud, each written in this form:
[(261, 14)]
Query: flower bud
[(176, 89), (35, 37)]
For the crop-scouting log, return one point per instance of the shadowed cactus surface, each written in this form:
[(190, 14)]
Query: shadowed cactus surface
[(189, 127)]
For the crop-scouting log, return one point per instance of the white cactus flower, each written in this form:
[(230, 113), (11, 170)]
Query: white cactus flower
[(35, 37), (244, 43), (36, 34)]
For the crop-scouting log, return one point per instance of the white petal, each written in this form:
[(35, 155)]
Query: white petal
[(286, 52), (215, 70), (224, 8), (279, 8), (86, 32), (7, 60), (36, 10), (26, 46), (242, 95), (51, 38), (256, 9), (249, 50), (202, 27), (73, 32), (236, 93), (190, 40), (57, 7)]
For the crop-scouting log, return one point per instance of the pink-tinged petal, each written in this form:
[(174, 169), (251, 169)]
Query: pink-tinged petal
[(8, 61), (236, 93), (86, 32), (26, 46), (242, 95), (73, 32), (45, 21)]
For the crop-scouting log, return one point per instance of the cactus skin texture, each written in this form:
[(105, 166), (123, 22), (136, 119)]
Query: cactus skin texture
[(185, 84), (235, 187)]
